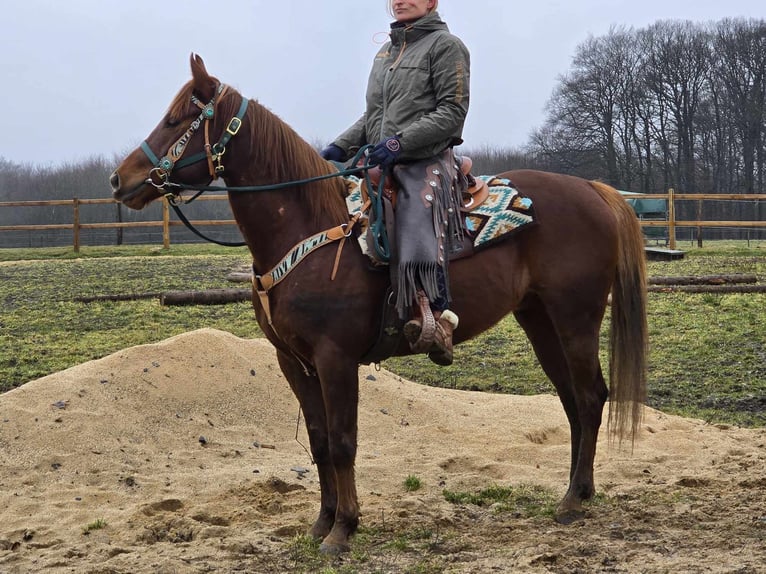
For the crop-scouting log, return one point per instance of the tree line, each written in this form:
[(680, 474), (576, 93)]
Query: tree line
[(676, 104)]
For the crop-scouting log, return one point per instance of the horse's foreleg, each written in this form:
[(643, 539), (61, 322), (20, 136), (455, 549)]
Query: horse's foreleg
[(309, 394), (340, 388)]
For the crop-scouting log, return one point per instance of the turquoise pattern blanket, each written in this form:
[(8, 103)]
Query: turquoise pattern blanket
[(504, 213)]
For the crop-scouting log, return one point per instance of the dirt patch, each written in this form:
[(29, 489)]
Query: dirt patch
[(182, 457)]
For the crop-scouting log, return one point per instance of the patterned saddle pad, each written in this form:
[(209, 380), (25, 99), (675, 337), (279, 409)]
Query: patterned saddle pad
[(503, 213)]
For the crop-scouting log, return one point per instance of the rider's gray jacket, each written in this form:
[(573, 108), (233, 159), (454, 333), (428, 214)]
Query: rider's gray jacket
[(418, 90)]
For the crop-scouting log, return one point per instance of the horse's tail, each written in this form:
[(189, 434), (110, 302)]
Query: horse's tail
[(629, 333)]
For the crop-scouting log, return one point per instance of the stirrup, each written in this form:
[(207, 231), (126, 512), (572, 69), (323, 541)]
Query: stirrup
[(420, 331)]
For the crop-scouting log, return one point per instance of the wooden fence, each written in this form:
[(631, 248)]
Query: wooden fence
[(77, 204), (672, 223), (77, 226)]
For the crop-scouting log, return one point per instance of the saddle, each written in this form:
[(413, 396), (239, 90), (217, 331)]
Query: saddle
[(477, 190), (475, 193)]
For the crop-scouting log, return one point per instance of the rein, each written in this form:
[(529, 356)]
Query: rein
[(175, 200)]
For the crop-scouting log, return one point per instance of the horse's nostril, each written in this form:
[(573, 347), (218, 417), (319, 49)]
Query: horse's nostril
[(114, 180)]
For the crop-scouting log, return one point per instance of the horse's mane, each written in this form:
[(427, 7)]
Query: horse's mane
[(179, 107), (277, 150)]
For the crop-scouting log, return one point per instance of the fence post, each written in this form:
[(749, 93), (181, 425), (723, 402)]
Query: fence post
[(165, 223), (672, 218), (76, 224)]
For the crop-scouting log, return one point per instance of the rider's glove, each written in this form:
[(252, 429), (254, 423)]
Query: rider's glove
[(333, 153), (385, 153)]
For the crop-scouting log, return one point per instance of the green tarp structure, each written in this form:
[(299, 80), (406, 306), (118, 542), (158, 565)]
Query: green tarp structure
[(649, 208), (646, 206)]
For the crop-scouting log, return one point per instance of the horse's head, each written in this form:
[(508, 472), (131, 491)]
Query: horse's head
[(187, 145)]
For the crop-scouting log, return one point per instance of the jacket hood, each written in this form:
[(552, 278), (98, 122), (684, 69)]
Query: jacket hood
[(417, 29)]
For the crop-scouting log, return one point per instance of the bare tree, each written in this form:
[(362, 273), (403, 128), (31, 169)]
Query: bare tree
[(678, 61), (740, 48)]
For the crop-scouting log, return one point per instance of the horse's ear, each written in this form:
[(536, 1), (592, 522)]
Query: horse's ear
[(204, 84)]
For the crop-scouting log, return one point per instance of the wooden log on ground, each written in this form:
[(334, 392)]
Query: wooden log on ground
[(237, 277), (737, 278), (706, 288), (737, 283), (117, 297), (207, 297)]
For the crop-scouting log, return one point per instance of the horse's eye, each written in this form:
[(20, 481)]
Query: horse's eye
[(171, 122)]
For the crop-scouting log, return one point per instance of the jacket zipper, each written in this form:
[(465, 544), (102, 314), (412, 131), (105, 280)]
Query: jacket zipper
[(386, 76)]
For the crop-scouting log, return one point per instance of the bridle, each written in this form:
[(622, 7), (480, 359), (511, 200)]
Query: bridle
[(159, 175)]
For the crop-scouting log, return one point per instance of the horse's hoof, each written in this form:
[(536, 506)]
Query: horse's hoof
[(333, 548), (317, 536), (320, 530), (569, 516)]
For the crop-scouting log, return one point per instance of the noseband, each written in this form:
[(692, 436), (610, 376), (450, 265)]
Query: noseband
[(159, 175)]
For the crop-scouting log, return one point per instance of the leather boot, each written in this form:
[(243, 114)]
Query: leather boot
[(441, 349)]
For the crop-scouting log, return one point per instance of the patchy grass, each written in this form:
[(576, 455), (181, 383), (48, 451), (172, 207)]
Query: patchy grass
[(43, 330), (412, 483), (384, 550), (707, 357), (95, 525), (526, 500)]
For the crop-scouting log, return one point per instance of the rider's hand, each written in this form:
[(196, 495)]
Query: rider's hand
[(385, 153), (333, 153)]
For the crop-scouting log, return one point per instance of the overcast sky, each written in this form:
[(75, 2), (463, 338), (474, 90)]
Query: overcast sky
[(87, 78)]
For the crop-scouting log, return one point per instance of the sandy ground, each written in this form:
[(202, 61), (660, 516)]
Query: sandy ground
[(187, 451)]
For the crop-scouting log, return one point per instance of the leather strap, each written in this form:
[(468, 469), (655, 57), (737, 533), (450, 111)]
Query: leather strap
[(298, 253), (264, 283), (428, 324)]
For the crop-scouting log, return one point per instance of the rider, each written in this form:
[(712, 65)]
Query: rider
[(417, 101)]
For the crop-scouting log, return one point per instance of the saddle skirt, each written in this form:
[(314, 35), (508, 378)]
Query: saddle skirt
[(495, 211)]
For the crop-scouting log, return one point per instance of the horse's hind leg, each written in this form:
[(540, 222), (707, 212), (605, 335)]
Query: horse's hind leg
[(540, 332), (569, 357), (309, 394)]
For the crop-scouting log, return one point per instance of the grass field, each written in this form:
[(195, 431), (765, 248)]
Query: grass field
[(707, 355)]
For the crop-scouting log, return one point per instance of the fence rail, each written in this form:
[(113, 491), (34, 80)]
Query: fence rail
[(76, 226), (671, 222)]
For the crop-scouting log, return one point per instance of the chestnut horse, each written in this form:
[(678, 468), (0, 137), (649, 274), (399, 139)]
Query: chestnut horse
[(555, 277)]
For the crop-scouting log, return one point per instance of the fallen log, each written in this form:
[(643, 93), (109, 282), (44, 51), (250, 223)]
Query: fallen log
[(117, 297), (237, 277), (740, 283), (207, 297), (706, 288), (737, 278)]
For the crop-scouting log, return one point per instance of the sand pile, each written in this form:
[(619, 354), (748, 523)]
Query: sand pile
[(187, 451)]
